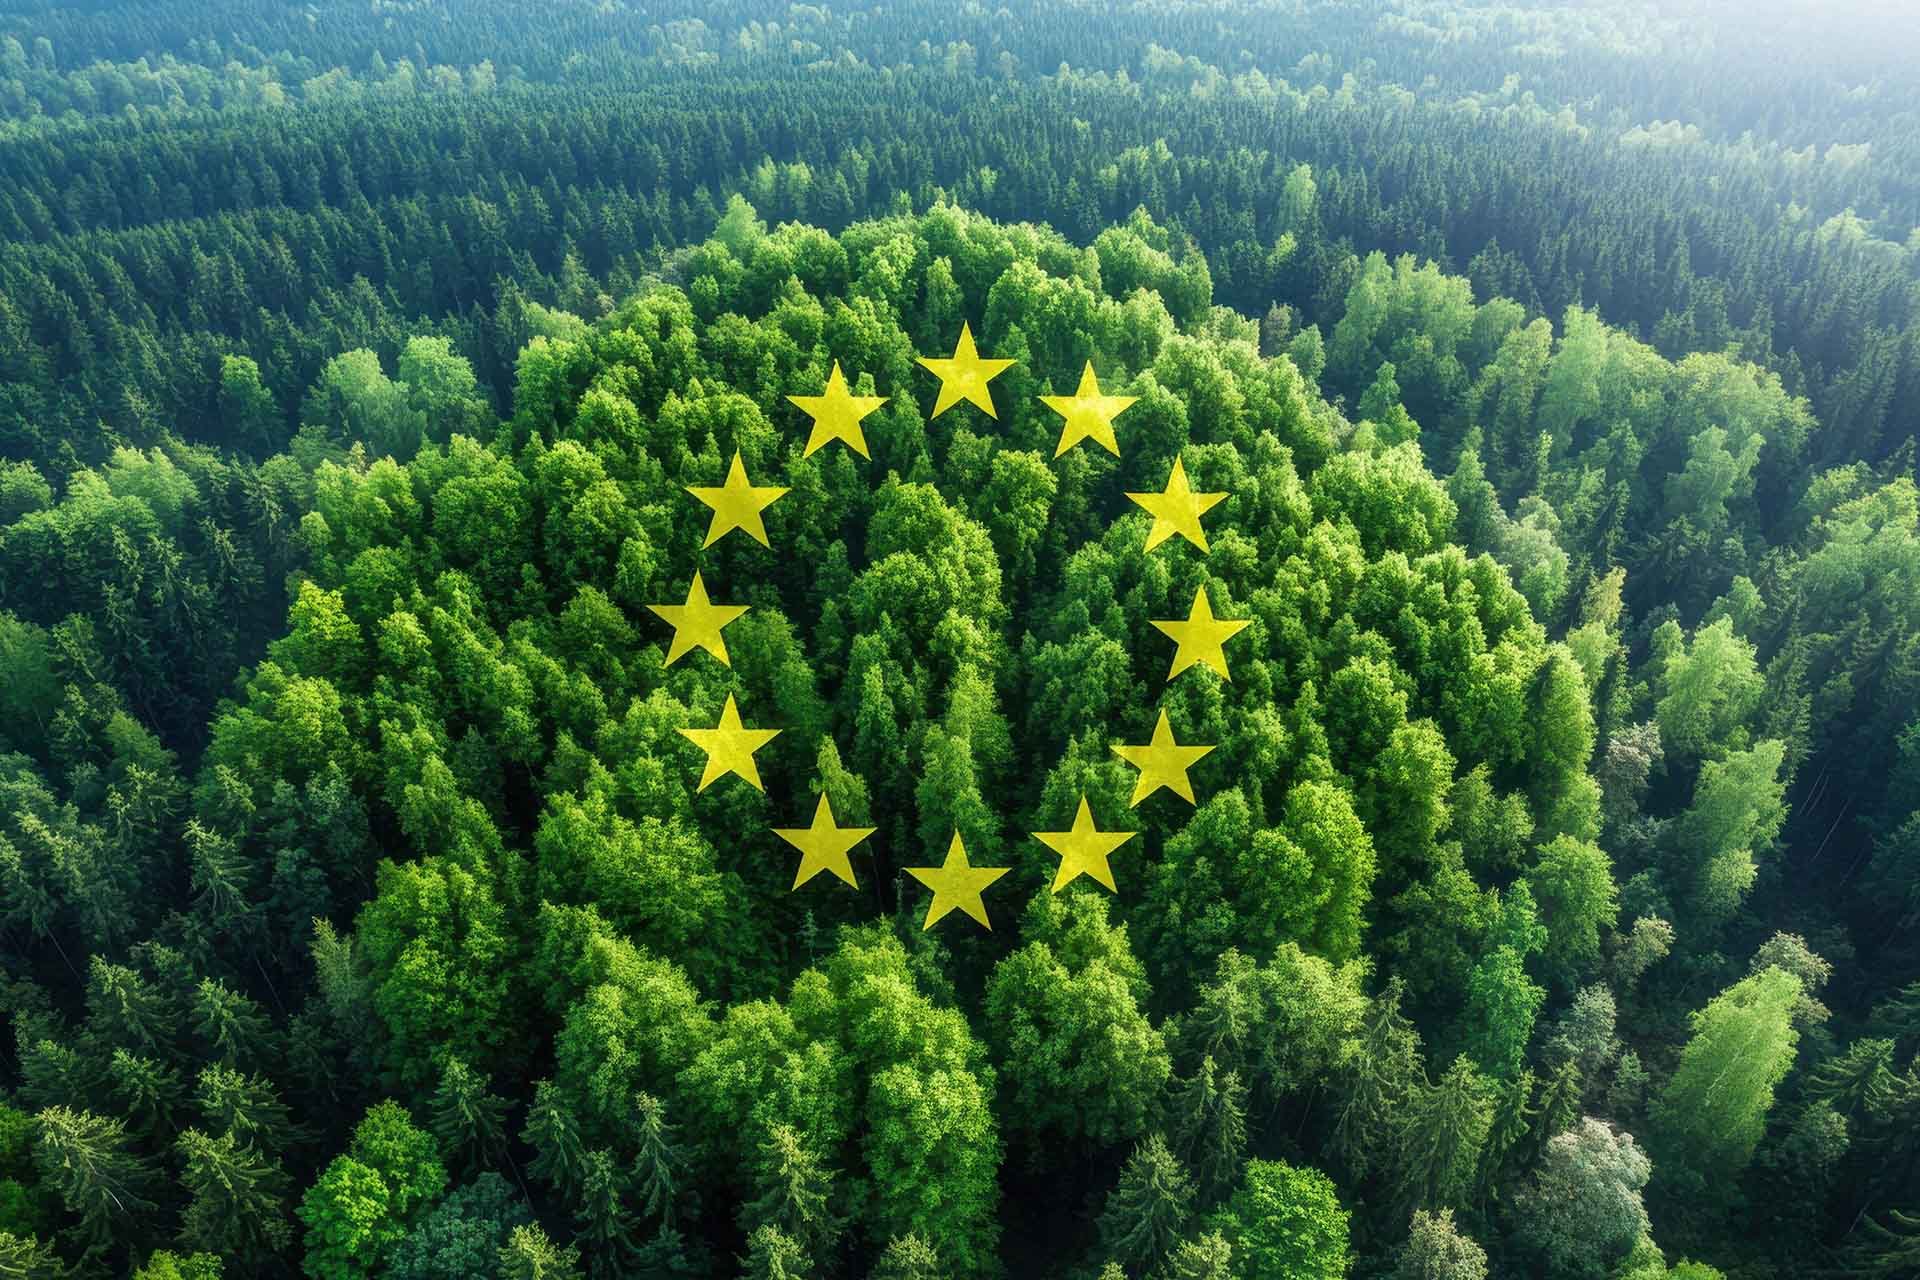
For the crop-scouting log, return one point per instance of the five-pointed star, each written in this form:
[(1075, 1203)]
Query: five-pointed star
[(836, 414), (1089, 415), (956, 884), (1162, 763), (730, 747), (1083, 849), (1177, 509), (965, 376), (737, 504), (1201, 636), (697, 623), (824, 846)]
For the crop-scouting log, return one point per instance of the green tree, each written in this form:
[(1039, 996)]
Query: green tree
[(1438, 1250), (1208, 1257), (1285, 1223), (1710, 1116), (908, 1257), (1737, 810), (1573, 882), (607, 1225), (1502, 1003), (167, 1265), (365, 1201), (1441, 1136), (237, 1198), (1581, 1210), (1209, 1121), (1382, 1077), (463, 1234), (1147, 1210), (793, 1192), (773, 1255), (529, 1255), (468, 1120), (1080, 1057), (84, 1159)]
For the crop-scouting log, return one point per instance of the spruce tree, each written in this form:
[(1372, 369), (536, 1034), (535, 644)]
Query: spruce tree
[(554, 1135), (792, 1191), (468, 1119), (84, 1159), (1148, 1209), (657, 1162), (607, 1225), (236, 1198), (1209, 1121), (1381, 1078), (1442, 1137)]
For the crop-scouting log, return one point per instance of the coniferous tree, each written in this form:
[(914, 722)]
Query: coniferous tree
[(84, 1159), (1209, 1122), (607, 1225), (1442, 1137), (468, 1119), (529, 1255), (793, 1192), (1380, 1082), (554, 1135), (657, 1163), (1146, 1212), (237, 1198)]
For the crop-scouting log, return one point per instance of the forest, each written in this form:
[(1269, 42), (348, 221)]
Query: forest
[(1167, 640)]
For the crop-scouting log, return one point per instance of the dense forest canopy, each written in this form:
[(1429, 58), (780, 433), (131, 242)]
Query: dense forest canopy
[(524, 669)]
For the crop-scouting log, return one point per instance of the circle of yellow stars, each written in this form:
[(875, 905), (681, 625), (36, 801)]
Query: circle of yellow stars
[(1162, 762)]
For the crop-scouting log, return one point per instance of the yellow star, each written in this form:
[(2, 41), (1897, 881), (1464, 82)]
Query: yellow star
[(965, 376), (1162, 763), (730, 746), (1178, 509), (697, 623), (737, 504), (1089, 414), (956, 884), (1201, 636), (836, 414), (824, 845), (1083, 849)]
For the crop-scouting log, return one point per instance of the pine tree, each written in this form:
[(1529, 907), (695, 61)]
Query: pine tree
[(607, 1226), (245, 1106), (237, 1198), (468, 1119), (231, 1024), (773, 1255), (1559, 1107), (1849, 1079), (126, 1010), (25, 1258), (1148, 1209), (1442, 1137), (1382, 1077), (792, 1191), (908, 1257), (529, 1255), (1210, 1128), (1512, 1120), (657, 1161), (554, 1135), (84, 1159), (149, 1093)]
